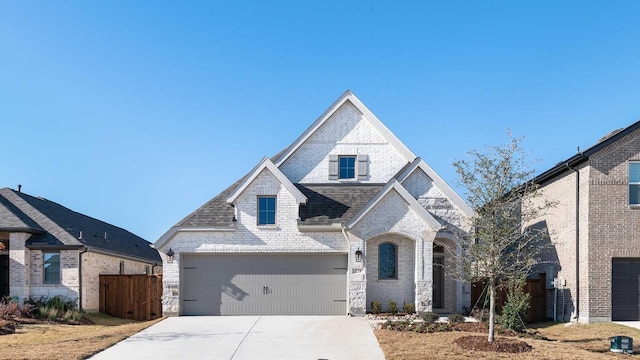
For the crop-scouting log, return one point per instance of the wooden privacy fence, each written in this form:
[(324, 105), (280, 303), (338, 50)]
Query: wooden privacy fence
[(534, 287), (135, 297)]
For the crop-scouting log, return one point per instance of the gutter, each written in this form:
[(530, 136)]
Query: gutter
[(80, 278)]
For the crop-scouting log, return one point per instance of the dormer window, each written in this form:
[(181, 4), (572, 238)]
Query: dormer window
[(347, 167), (266, 210)]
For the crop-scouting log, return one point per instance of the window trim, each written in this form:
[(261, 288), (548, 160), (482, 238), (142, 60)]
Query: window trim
[(353, 168), (44, 268), (395, 261), (632, 183), (275, 210)]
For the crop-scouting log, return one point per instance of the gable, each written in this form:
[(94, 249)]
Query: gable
[(393, 211), (348, 128)]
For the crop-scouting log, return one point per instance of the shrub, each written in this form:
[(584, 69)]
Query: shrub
[(56, 302), (429, 317), (77, 316), (393, 308), (455, 318), (52, 313), (376, 307), (9, 310), (409, 308), (515, 308)]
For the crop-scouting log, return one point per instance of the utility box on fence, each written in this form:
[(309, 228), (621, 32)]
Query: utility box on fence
[(136, 297), (621, 344)]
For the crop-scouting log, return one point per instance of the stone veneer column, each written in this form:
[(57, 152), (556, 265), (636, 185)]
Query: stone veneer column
[(424, 271), (18, 266), (357, 281), (171, 284)]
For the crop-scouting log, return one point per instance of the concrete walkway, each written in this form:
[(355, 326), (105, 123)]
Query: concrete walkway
[(250, 338), (633, 324)]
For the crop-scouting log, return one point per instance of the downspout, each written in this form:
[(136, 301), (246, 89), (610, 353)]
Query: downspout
[(346, 238), (153, 268), (577, 239), (80, 278)]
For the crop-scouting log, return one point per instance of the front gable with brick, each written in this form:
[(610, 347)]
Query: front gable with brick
[(344, 216)]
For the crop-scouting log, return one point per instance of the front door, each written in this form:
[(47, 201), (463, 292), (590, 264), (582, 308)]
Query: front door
[(438, 282), (4, 275)]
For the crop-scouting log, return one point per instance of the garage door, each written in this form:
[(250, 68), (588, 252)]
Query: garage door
[(264, 284), (625, 292)]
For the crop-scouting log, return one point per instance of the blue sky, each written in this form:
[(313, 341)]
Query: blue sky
[(137, 113)]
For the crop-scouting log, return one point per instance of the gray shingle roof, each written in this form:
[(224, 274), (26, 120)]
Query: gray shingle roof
[(62, 227), (330, 203), (214, 213)]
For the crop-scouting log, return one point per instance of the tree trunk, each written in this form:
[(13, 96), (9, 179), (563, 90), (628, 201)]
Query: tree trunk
[(492, 309)]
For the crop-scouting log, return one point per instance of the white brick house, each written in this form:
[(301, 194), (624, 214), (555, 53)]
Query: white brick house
[(47, 250), (344, 216)]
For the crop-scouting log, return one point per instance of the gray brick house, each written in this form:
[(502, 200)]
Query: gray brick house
[(47, 249), (595, 229), (345, 215)]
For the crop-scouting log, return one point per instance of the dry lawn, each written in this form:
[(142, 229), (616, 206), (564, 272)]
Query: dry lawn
[(55, 341), (578, 341)]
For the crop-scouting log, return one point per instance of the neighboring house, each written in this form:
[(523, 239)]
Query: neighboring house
[(595, 229), (344, 216), (43, 243)]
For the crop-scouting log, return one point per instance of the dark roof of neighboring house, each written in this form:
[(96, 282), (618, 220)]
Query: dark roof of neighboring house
[(54, 225), (583, 156), (331, 203)]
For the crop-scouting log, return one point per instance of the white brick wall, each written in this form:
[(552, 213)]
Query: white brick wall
[(422, 188), (399, 290), (346, 132), (68, 287)]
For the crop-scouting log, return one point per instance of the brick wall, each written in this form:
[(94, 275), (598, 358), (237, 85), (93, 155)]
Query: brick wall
[(346, 132), (399, 290), (614, 225), (68, 286)]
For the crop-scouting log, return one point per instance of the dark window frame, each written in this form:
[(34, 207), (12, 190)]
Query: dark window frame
[(57, 279), (265, 215), (347, 167), (383, 264)]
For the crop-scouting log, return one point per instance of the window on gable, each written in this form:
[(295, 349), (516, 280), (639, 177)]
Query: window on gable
[(387, 261), (266, 210), (634, 183), (51, 267), (347, 167)]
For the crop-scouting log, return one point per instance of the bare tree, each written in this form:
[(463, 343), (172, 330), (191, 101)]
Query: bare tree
[(504, 241)]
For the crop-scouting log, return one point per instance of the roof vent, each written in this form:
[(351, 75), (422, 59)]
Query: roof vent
[(609, 135)]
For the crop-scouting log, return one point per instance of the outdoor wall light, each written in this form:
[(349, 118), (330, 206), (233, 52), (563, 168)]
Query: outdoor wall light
[(358, 255), (170, 256)]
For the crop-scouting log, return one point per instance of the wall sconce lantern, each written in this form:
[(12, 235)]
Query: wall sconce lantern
[(170, 254), (358, 255)]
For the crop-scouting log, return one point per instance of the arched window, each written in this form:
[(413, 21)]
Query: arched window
[(387, 261)]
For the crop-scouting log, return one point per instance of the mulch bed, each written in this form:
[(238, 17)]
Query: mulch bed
[(499, 344)]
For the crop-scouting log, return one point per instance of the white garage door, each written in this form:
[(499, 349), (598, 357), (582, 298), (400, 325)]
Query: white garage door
[(264, 284)]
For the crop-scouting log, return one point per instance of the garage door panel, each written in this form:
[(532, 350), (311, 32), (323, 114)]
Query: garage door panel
[(264, 284), (625, 289)]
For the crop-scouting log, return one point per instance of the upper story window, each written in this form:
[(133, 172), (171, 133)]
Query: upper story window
[(347, 167), (266, 210), (387, 261), (51, 267), (634, 183)]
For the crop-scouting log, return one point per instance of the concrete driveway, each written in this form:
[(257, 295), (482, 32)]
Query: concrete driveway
[(250, 338)]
